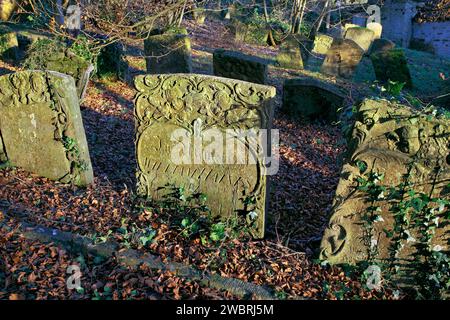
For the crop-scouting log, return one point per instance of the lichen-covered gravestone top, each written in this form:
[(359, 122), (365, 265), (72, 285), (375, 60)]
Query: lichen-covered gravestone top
[(377, 29), (362, 36), (41, 129), (322, 44), (195, 110), (342, 58)]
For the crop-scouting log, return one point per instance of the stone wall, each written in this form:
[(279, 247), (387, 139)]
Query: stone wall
[(396, 19), (437, 34)]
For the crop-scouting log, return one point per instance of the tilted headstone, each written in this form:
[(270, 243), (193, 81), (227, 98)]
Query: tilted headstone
[(407, 148), (391, 66), (342, 58), (291, 54), (381, 45), (236, 65), (41, 128), (322, 44), (309, 98), (168, 53), (195, 110), (9, 45), (377, 29), (362, 36)]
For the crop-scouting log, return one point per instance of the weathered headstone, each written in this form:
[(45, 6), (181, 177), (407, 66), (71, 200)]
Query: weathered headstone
[(194, 108), (381, 45), (111, 61), (362, 36), (309, 98), (291, 54), (168, 53), (342, 58), (239, 30), (9, 46), (406, 148), (322, 44), (377, 29), (236, 65), (391, 65), (41, 128)]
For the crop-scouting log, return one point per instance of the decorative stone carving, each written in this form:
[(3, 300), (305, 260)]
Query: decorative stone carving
[(41, 129), (168, 53), (342, 59), (310, 98), (391, 65), (393, 140), (235, 65), (362, 36), (199, 105)]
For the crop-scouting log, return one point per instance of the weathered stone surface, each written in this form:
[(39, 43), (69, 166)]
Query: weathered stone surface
[(395, 141), (377, 29), (381, 45), (290, 55), (362, 36), (236, 65), (9, 45), (322, 44), (111, 61), (309, 98), (168, 53), (7, 8), (41, 126), (342, 59), (391, 65), (199, 105)]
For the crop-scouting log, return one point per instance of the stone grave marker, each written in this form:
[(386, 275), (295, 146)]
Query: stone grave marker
[(381, 45), (291, 54), (391, 65), (362, 36), (236, 65), (322, 44), (168, 53), (342, 59), (41, 128), (377, 29), (9, 45), (176, 116), (309, 98)]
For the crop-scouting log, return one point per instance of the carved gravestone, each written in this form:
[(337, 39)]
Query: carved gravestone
[(195, 110), (309, 98), (381, 45), (41, 129), (377, 29), (362, 36), (9, 46), (391, 65), (168, 53), (290, 54), (322, 44), (407, 148), (342, 59), (236, 65)]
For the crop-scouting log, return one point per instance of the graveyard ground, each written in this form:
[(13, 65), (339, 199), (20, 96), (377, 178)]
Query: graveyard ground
[(300, 198)]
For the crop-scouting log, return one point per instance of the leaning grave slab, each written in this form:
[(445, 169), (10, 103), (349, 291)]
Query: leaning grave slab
[(395, 141), (168, 53), (362, 36), (322, 44), (342, 58), (236, 65), (309, 98), (41, 128), (201, 105)]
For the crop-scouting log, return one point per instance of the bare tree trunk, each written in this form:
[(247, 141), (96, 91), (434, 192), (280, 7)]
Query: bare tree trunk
[(322, 16)]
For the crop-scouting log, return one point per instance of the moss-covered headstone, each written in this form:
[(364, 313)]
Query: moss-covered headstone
[(342, 58), (9, 44), (394, 148), (309, 98), (381, 45), (236, 65), (111, 61), (194, 111), (362, 36), (322, 44), (291, 54), (41, 129), (391, 65), (168, 53)]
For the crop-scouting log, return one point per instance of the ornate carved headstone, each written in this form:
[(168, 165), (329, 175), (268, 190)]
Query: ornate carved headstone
[(236, 65), (193, 108), (391, 65), (342, 59), (168, 53), (397, 142), (322, 44), (310, 98), (41, 129), (362, 36)]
